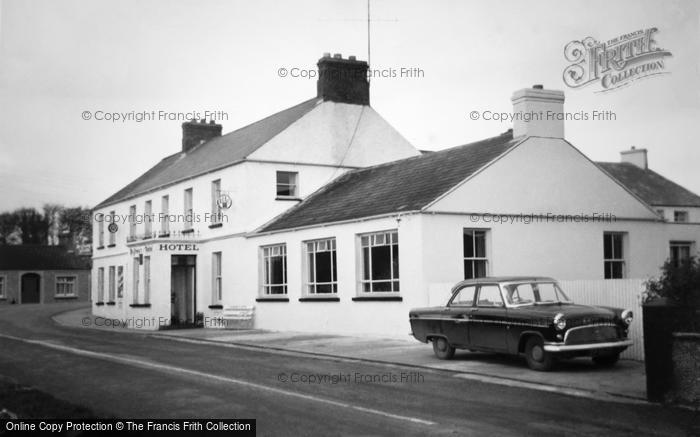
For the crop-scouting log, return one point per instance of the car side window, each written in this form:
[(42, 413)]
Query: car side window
[(464, 297), (489, 296)]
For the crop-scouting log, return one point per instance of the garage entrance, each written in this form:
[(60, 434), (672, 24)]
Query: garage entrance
[(31, 292), (183, 291)]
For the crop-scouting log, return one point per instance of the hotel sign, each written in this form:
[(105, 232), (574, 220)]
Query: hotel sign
[(165, 247)]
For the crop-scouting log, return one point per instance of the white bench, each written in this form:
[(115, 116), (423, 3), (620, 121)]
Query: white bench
[(238, 317)]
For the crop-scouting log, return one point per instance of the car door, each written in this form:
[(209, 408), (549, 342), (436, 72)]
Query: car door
[(488, 324), (456, 316)]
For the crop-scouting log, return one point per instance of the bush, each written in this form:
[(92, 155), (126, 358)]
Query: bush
[(679, 284)]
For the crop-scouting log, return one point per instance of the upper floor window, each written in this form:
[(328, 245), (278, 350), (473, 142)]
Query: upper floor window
[(100, 229), (287, 184), (680, 252), (147, 216), (380, 262), (613, 255), (274, 269), (112, 235), (188, 209), (65, 286), (112, 284), (475, 260), (680, 216), (164, 213), (132, 221), (321, 270), (215, 196)]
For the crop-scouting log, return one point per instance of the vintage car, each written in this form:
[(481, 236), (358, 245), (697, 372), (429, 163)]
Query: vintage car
[(522, 315)]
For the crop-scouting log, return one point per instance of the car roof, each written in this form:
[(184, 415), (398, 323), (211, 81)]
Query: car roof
[(499, 279)]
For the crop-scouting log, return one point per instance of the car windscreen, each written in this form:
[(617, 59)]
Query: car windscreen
[(532, 293)]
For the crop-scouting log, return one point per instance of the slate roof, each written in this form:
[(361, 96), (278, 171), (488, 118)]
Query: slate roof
[(405, 185), (39, 257), (650, 186), (213, 154)]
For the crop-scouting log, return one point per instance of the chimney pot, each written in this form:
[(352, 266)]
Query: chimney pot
[(636, 157), (195, 133), (326, 54), (539, 112), (343, 80)]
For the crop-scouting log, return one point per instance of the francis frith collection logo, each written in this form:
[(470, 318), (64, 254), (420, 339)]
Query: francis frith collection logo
[(614, 63)]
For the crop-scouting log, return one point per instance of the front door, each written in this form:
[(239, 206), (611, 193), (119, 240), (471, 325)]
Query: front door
[(487, 327), (182, 289), (30, 288)]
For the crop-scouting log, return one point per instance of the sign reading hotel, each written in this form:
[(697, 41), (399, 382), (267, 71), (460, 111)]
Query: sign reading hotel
[(165, 247), (615, 63)]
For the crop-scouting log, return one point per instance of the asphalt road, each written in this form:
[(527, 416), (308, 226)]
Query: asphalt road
[(124, 375)]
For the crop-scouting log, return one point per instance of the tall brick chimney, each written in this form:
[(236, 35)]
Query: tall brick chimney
[(343, 80), (195, 133)]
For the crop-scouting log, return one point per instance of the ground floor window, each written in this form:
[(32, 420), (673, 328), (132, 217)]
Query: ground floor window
[(380, 262), (321, 267), (216, 277), (475, 259), (120, 281), (65, 286), (112, 283), (274, 271), (146, 279), (136, 277), (680, 252), (100, 284), (613, 254)]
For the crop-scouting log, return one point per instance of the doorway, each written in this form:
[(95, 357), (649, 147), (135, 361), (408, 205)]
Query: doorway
[(31, 292), (183, 293)]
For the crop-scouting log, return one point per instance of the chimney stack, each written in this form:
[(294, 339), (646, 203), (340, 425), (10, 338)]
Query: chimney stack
[(343, 80), (635, 156), (538, 112), (195, 133)]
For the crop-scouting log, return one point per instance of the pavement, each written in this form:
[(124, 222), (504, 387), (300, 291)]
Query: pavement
[(625, 382)]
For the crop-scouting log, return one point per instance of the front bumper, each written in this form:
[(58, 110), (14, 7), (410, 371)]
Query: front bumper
[(562, 347)]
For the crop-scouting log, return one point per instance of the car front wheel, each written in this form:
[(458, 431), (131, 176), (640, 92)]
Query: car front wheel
[(537, 358), (607, 360), (442, 348)]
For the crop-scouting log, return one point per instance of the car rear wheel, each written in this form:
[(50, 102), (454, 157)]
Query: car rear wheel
[(606, 360), (442, 348), (537, 358)]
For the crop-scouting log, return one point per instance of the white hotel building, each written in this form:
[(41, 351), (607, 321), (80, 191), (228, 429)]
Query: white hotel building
[(338, 224)]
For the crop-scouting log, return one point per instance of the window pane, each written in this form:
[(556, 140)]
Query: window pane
[(465, 297), (468, 244), (480, 268), (365, 263), (324, 288), (381, 262), (468, 269), (395, 266), (381, 286), (607, 246), (312, 274), (323, 267), (489, 295), (617, 246)]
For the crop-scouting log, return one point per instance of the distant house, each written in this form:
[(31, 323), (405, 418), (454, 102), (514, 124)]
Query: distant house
[(42, 274)]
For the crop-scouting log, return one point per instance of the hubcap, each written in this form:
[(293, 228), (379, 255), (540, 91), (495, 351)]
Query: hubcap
[(537, 353)]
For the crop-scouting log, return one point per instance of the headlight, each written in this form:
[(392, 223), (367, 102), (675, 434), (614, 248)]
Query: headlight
[(559, 321), (627, 317)]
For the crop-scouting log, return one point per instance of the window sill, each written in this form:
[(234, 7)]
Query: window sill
[(163, 234), (99, 304), (272, 299), (112, 245), (140, 305), (292, 198), (215, 225), (187, 231), (147, 237), (378, 298), (216, 307), (319, 299), (73, 296), (110, 303), (100, 247)]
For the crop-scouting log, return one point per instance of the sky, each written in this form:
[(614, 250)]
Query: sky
[(59, 59)]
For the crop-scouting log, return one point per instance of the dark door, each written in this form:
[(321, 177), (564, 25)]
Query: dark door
[(30, 288), (487, 328), (455, 318), (182, 289)]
